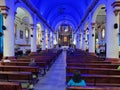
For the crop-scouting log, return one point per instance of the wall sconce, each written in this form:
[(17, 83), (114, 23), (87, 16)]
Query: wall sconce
[(87, 28), (31, 35), (1, 34), (92, 35), (119, 33), (115, 26), (4, 27)]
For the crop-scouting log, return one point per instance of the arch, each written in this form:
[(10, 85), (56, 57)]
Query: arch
[(25, 9), (39, 35), (86, 25), (59, 23), (74, 24), (41, 25), (99, 17), (97, 11)]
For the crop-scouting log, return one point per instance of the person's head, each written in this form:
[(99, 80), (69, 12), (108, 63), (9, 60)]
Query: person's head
[(32, 60), (77, 76), (6, 57)]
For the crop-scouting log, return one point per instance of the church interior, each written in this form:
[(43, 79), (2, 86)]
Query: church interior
[(44, 42)]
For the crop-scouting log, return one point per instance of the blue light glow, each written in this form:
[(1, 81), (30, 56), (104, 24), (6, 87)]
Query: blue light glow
[(56, 11)]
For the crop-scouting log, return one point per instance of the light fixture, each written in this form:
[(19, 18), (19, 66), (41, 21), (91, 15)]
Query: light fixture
[(4, 27)]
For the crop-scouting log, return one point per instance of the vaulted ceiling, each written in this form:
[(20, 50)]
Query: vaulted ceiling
[(55, 11)]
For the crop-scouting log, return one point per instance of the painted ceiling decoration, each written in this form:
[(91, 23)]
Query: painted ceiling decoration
[(56, 11)]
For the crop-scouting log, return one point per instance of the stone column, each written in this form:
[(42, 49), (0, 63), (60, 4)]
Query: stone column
[(99, 36), (8, 22), (48, 40), (33, 38), (83, 42), (52, 43), (80, 41), (43, 40), (76, 40), (112, 44), (92, 38)]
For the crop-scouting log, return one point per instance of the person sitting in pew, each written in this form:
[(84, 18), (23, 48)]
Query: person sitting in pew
[(6, 60), (33, 63), (76, 80), (118, 67)]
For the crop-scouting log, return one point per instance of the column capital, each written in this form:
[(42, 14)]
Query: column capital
[(48, 35), (116, 12), (32, 26), (116, 5), (93, 24), (43, 32), (4, 10)]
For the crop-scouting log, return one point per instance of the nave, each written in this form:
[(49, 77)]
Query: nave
[(33, 34), (55, 77)]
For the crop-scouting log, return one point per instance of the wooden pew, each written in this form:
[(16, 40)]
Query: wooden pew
[(22, 77), (96, 80), (10, 86), (92, 88), (41, 65), (16, 76), (47, 61), (91, 62), (102, 71), (87, 65), (33, 70)]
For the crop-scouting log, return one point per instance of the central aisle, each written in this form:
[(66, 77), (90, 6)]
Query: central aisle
[(55, 77)]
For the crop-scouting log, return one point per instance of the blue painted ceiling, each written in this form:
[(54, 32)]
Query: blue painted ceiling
[(55, 11)]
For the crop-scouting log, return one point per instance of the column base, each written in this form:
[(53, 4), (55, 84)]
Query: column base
[(113, 60)]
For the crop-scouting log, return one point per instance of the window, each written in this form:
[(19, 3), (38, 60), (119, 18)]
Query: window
[(26, 33), (21, 34)]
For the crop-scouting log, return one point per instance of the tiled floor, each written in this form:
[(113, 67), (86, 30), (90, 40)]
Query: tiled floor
[(55, 77)]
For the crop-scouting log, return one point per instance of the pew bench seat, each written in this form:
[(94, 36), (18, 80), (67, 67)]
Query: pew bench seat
[(25, 78), (91, 88), (95, 78), (10, 86), (104, 71)]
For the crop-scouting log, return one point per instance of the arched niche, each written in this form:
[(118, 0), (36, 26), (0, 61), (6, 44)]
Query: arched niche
[(39, 35), (22, 28), (65, 34), (99, 18)]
